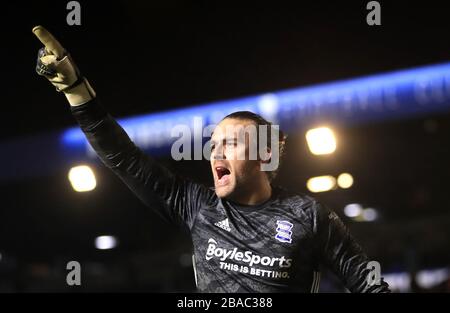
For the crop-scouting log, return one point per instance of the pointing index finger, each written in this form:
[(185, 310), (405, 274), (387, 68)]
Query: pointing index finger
[(51, 44)]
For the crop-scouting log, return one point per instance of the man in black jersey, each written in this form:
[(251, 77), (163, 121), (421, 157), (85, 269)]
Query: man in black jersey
[(248, 235)]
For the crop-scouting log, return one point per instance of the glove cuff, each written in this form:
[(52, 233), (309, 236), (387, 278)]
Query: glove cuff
[(81, 93), (79, 81)]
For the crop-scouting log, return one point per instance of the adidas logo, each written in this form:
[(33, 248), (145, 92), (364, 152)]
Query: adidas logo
[(224, 225)]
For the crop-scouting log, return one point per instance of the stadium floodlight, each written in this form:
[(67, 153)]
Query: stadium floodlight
[(321, 140), (353, 210), (321, 183), (82, 178), (345, 180), (369, 215), (105, 242)]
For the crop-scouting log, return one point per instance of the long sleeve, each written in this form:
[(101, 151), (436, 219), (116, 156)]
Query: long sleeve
[(177, 200), (342, 254)]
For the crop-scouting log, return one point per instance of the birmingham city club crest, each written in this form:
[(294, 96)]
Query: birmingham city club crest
[(284, 231)]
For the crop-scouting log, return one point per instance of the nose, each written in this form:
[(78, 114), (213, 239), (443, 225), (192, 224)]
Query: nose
[(219, 152)]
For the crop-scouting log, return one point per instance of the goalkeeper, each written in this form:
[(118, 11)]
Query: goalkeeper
[(248, 235)]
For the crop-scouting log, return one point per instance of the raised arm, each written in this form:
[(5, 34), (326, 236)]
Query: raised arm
[(157, 187)]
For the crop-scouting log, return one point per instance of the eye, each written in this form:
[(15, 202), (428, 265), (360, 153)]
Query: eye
[(212, 147)]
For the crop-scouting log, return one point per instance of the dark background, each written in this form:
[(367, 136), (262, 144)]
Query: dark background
[(144, 57)]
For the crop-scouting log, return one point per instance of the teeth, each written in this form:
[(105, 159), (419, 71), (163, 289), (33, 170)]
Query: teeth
[(222, 171)]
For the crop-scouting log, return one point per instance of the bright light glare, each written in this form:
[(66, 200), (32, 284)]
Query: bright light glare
[(321, 140), (105, 242), (345, 180), (369, 215), (321, 183), (431, 278), (353, 209), (82, 178)]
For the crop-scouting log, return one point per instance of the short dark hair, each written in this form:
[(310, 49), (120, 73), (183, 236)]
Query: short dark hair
[(259, 120)]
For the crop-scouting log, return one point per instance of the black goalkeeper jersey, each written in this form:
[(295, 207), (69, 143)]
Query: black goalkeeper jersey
[(276, 246)]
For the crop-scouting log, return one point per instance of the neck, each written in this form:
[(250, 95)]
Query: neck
[(257, 195)]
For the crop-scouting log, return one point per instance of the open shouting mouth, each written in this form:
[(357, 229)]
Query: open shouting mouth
[(223, 174)]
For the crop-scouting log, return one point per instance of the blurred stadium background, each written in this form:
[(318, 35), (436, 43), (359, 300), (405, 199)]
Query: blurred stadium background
[(378, 99)]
